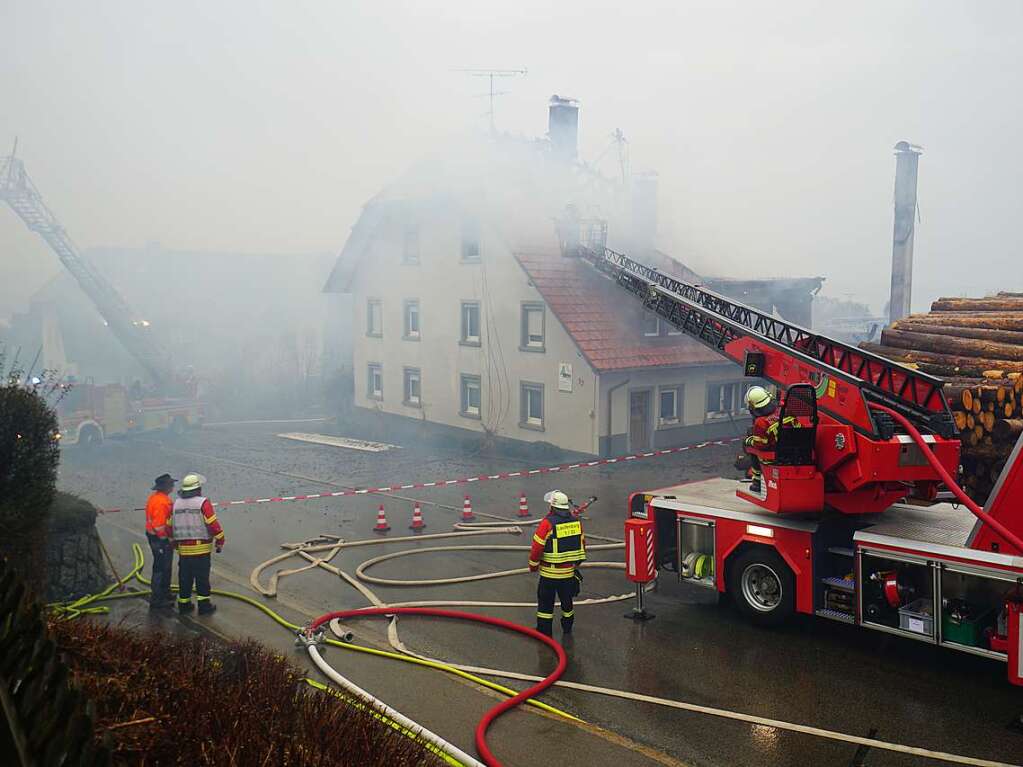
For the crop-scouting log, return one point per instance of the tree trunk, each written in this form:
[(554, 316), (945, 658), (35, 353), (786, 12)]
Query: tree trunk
[(970, 347), (955, 364), (1009, 429), (984, 334), (990, 320), (989, 304), (959, 396)]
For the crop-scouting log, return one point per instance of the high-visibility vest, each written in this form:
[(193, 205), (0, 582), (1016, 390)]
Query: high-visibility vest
[(187, 520), (565, 542)]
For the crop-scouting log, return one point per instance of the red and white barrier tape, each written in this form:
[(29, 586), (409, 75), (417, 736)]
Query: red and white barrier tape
[(468, 480)]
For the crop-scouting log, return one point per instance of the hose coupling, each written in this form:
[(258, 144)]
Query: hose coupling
[(306, 637)]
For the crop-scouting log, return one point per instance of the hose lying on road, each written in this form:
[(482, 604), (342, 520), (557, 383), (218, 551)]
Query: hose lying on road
[(493, 713), (307, 552), (413, 730), (469, 672)]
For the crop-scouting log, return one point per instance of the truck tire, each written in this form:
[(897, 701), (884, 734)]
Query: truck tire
[(90, 436), (762, 586)]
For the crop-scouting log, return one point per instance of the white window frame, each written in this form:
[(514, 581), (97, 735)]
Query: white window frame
[(678, 392), (468, 381), (410, 308), (466, 339), (408, 376), (736, 387), (527, 343), (375, 329), (526, 420), (374, 370)]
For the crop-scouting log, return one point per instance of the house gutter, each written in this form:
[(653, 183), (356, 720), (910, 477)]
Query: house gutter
[(610, 392)]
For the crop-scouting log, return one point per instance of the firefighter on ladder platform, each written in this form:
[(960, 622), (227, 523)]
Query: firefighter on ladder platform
[(196, 531), (558, 548), (763, 436)]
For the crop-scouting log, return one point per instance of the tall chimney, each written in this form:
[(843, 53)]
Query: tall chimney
[(644, 211), (907, 156), (563, 127)]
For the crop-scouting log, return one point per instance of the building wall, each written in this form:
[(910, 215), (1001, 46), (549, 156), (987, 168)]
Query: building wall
[(441, 282), (694, 423)]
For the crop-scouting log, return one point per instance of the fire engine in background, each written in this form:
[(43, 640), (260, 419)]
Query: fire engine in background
[(848, 525), (89, 412)]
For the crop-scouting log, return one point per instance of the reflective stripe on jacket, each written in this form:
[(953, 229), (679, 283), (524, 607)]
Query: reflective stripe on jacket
[(558, 544), (194, 526)]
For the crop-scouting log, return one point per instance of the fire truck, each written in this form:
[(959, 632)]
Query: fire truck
[(89, 413), (859, 518)]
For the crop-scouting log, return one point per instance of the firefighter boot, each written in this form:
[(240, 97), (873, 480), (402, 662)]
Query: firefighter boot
[(185, 606), (206, 607)]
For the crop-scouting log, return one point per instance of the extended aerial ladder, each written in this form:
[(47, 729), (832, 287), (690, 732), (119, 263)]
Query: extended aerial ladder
[(860, 460), (17, 189)]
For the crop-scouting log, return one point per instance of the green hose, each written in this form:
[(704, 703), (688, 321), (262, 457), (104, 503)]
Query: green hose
[(70, 610)]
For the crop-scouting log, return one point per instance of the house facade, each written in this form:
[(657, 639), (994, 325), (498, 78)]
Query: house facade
[(466, 315), (456, 325)]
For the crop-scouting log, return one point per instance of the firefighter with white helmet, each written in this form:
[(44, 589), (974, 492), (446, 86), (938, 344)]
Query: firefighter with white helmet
[(196, 532), (559, 547), (763, 437)]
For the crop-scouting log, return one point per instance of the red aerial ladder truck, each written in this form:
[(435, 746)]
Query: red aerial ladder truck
[(93, 412), (847, 525)]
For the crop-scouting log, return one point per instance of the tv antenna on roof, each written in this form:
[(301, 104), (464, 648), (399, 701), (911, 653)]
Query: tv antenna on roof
[(490, 74)]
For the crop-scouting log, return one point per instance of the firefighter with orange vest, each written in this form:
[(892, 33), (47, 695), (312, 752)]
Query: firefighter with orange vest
[(558, 548), (196, 532), (763, 437), (158, 511)]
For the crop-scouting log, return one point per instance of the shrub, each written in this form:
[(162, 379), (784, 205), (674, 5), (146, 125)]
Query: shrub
[(29, 456), (163, 699)]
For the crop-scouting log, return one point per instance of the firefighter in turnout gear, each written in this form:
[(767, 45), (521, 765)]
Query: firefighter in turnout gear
[(763, 437), (158, 511), (196, 531), (558, 548)]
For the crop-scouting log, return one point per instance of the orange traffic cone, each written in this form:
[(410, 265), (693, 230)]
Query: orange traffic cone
[(523, 506), (417, 518), (467, 515), (381, 526)]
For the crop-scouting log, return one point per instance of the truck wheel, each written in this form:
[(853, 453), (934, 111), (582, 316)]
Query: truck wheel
[(762, 586), (90, 436)]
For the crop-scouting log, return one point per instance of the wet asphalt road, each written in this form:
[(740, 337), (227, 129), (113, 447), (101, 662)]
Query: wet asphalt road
[(811, 672)]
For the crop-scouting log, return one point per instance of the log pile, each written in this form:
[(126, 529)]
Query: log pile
[(976, 346)]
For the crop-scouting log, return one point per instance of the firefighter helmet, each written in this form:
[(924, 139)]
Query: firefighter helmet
[(557, 500), (192, 482), (758, 397)]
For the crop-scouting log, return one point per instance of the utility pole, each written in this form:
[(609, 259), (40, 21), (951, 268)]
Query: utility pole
[(907, 157), (490, 74)]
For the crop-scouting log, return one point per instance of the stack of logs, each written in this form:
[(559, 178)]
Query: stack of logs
[(976, 345)]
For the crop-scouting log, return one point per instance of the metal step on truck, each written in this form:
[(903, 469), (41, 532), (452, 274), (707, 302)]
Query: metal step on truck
[(849, 521)]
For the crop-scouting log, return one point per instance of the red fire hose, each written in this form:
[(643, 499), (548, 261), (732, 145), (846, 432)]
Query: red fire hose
[(949, 480), (500, 708)]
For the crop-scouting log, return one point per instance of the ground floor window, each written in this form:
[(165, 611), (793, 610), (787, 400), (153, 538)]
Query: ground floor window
[(669, 404), (722, 399), (375, 382), (413, 387), (471, 396), (532, 406)]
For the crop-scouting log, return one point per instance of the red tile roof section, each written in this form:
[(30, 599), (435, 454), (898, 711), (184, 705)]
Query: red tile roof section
[(603, 321)]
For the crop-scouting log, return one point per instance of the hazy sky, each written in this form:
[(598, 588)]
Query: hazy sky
[(258, 126)]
